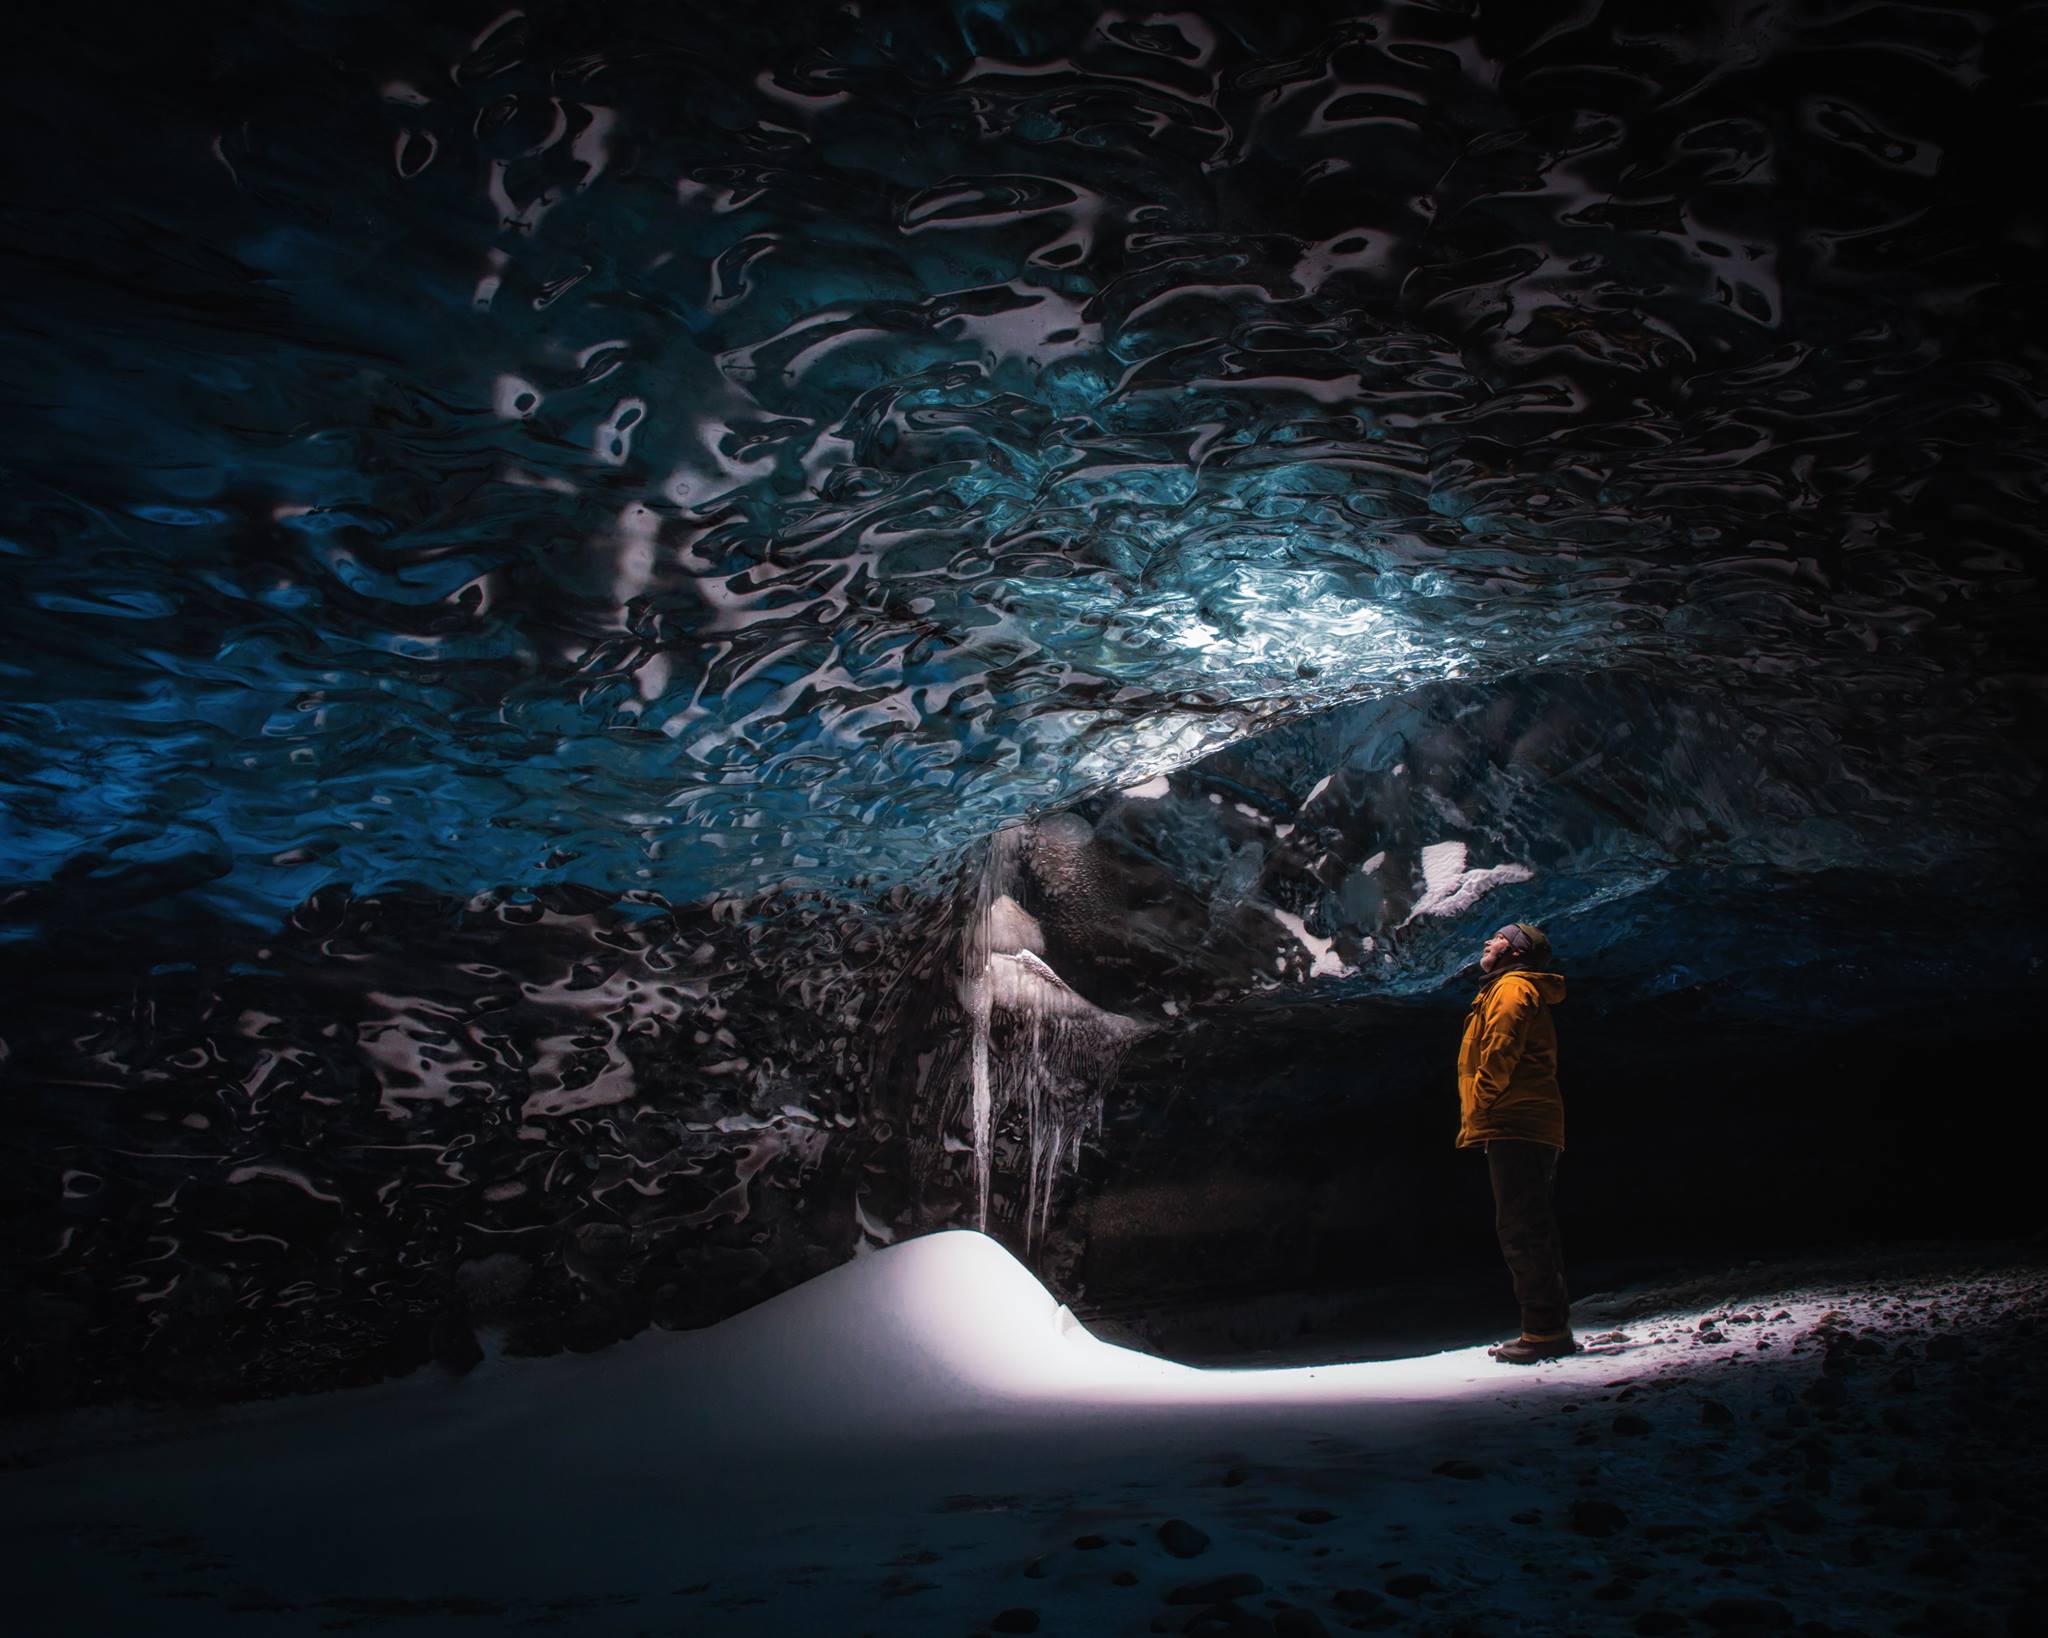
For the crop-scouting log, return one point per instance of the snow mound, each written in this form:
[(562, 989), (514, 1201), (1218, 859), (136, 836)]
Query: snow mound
[(909, 1334)]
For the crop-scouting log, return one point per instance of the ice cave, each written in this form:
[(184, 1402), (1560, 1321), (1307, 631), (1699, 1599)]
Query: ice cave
[(762, 767)]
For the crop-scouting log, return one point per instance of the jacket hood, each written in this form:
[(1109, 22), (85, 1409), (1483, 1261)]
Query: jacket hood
[(1548, 986)]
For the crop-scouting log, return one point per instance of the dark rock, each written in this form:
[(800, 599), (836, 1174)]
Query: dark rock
[(1943, 1556), (1655, 1623), (1227, 1621), (494, 1282), (1597, 1518), (1219, 1590), (453, 1344), (1298, 1623), (602, 1242), (1089, 1544), (1954, 1619), (1799, 1516), (1826, 1394), (1359, 1601), (1764, 1613), (1528, 1515), (1316, 1515), (1458, 1468), (1711, 1336), (1124, 1578), (1411, 1584), (1182, 1539), (1944, 1347), (1614, 1591), (1632, 1425), (590, 1327), (1900, 1510), (1714, 1414), (1038, 1569), (1017, 1620), (1235, 1477)]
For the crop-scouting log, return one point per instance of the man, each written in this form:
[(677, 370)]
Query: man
[(1509, 1105)]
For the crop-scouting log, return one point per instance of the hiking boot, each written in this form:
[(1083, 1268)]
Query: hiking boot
[(1528, 1350)]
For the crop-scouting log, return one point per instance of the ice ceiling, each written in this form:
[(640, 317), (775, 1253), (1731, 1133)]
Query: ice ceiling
[(688, 455), (595, 466)]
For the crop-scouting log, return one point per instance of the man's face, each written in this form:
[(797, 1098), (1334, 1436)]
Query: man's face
[(1496, 951)]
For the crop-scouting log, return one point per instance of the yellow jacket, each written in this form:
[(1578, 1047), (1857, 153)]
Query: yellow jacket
[(1507, 1062)]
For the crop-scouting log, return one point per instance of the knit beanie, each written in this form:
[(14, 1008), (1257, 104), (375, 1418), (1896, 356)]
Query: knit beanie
[(1528, 941)]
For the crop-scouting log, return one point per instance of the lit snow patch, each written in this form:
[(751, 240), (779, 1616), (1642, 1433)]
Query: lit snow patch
[(1449, 889), (951, 1320), (1324, 960)]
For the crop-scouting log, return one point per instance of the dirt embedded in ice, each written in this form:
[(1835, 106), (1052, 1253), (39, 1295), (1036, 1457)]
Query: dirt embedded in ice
[(1831, 1449)]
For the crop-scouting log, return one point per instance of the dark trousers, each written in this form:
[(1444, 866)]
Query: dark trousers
[(1524, 1182)]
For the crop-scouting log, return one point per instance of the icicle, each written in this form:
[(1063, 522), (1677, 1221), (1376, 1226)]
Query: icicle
[(1056, 1057), (984, 1109)]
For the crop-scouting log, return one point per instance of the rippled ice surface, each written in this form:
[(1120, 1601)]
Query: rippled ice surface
[(693, 453), (574, 463)]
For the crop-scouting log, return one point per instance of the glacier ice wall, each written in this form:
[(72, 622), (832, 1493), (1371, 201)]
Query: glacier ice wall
[(683, 455), (540, 544)]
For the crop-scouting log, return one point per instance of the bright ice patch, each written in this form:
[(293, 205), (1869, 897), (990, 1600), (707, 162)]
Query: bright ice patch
[(1324, 960), (1449, 889)]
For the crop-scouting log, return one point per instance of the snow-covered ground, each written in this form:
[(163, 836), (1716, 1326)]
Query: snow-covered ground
[(924, 1441)]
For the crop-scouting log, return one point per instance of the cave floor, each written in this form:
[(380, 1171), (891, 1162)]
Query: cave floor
[(1848, 1447)]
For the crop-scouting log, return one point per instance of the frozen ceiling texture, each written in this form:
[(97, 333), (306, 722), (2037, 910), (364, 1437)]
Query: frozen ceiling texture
[(572, 575)]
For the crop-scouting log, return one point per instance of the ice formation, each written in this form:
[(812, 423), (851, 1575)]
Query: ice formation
[(1449, 889), (1059, 1050), (1323, 960)]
